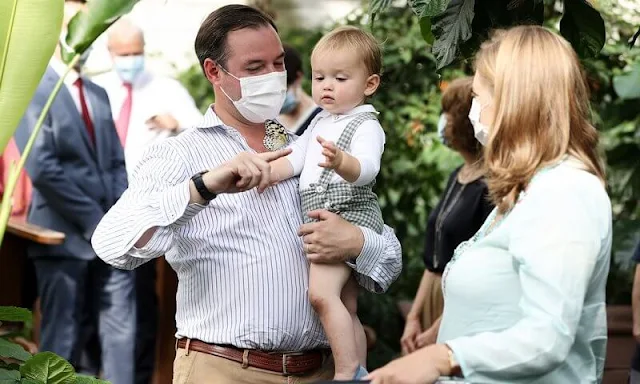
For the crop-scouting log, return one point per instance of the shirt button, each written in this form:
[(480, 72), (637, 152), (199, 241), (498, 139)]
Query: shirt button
[(319, 189)]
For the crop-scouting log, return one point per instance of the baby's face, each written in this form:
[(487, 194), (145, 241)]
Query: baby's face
[(340, 81)]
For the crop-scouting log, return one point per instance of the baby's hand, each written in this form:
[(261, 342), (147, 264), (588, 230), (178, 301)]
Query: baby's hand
[(332, 154)]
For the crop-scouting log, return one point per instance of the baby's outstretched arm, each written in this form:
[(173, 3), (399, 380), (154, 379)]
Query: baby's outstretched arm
[(345, 165), (281, 169)]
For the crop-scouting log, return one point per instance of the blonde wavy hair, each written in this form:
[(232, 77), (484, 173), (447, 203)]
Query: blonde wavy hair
[(541, 104)]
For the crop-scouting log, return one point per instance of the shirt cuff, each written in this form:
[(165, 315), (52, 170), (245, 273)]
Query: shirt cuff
[(372, 248), (456, 346)]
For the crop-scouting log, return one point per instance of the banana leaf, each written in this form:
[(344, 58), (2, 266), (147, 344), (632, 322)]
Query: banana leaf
[(85, 27), (29, 32)]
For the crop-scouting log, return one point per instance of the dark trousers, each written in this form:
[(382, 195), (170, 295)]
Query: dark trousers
[(147, 321), (74, 293)]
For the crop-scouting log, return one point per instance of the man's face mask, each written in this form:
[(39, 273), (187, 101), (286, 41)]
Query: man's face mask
[(129, 67), (261, 97)]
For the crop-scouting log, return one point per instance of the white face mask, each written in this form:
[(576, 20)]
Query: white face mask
[(480, 131), (261, 96)]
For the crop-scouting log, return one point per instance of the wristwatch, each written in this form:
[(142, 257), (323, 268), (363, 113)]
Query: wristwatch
[(206, 194), (453, 364)]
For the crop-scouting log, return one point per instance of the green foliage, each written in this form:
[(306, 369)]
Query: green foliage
[(85, 27), (458, 26), (29, 31), (19, 366)]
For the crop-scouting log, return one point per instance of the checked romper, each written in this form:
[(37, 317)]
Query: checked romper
[(356, 204)]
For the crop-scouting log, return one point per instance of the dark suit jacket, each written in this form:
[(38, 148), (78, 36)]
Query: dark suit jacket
[(74, 184)]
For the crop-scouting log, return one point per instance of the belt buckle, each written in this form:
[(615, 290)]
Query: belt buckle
[(284, 361)]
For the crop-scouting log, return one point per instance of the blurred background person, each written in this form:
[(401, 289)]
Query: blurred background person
[(458, 215), (146, 108), (78, 172), (298, 109)]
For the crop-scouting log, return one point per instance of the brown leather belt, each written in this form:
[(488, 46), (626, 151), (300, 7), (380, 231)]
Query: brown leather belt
[(297, 363)]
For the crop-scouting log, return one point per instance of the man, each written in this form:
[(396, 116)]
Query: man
[(78, 172), (298, 109), (634, 377), (243, 315), (147, 109)]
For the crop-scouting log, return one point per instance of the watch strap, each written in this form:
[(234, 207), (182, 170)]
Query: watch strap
[(205, 193)]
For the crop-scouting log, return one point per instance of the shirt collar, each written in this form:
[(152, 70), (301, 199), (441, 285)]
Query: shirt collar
[(60, 68), (359, 109)]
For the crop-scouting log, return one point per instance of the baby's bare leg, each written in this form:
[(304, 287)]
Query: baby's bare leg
[(350, 300), (326, 282)]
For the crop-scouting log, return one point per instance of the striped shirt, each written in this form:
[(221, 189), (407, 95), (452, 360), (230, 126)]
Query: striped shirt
[(242, 272)]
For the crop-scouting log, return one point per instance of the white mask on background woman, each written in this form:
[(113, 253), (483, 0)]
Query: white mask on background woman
[(480, 131)]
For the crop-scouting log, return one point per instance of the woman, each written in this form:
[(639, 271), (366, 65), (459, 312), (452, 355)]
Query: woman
[(458, 215), (525, 297)]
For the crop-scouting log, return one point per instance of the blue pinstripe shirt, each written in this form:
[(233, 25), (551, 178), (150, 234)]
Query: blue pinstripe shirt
[(243, 275)]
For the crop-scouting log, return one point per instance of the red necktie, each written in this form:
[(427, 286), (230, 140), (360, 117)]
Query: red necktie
[(85, 111), (122, 125)]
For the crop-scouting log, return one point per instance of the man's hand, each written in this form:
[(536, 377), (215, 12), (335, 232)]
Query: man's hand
[(164, 122), (243, 172), (332, 154), (332, 239)]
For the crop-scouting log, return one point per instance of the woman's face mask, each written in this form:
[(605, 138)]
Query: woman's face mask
[(481, 131), (261, 97), (290, 102)]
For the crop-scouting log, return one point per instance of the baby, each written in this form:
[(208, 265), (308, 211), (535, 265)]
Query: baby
[(338, 159)]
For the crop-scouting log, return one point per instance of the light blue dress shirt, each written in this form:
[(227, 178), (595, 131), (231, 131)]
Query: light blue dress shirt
[(525, 301)]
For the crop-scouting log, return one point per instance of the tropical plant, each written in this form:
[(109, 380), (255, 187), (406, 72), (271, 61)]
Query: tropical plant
[(28, 47), (19, 366), (455, 28)]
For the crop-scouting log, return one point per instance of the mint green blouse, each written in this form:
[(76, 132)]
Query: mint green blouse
[(525, 302)]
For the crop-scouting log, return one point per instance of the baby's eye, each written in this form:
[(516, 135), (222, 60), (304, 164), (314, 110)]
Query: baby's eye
[(318, 78), (341, 79)]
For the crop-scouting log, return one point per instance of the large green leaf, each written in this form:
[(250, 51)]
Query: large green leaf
[(428, 8), (16, 314), (9, 376), (29, 32), (583, 26), (627, 86), (84, 379), (85, 27), (425, 30), (13, 351), (49, 368), (450, 29)]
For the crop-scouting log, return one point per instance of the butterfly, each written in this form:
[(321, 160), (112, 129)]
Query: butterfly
[(276, 135)]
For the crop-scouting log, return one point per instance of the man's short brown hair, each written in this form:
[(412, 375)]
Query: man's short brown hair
[(456, 103), (211, 41), (356, 40)]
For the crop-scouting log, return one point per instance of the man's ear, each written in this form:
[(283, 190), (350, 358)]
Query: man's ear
[(372, 85), (212, 71)]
